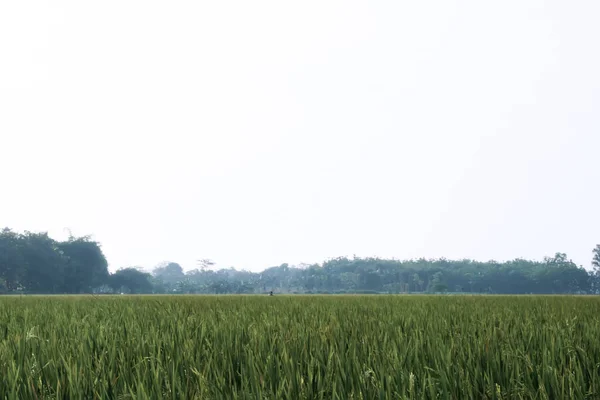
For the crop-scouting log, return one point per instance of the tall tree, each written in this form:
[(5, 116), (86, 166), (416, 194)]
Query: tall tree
[(44, 264), (596, 258), (595, 276), (12, 262), (86, 267)]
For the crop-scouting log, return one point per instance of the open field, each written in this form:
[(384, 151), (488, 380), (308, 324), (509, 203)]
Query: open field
[(303, 347)]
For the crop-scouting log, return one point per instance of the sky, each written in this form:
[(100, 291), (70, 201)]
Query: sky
[(268, 132)]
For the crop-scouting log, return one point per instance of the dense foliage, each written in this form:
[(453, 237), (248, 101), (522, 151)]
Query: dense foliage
[(300, 347), (35, 263), (373, 275)]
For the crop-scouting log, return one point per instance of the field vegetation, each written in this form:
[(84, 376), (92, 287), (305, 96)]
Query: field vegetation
[(299, 347)]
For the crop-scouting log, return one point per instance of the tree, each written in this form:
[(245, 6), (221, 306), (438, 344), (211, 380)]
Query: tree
[(12, 262), (596, 258), (44, 264), (130, 280), (169, 272), (595, 277), (205, 264), (418, 282), (436, 284), (86, 267)]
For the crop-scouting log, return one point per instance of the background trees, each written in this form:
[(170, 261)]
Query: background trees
[(555, 274), (35, 263)]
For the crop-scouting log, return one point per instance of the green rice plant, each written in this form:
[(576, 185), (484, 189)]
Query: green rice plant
[(299, 347)]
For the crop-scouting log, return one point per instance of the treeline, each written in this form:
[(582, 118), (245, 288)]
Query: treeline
[(556, 274), (35, 263)]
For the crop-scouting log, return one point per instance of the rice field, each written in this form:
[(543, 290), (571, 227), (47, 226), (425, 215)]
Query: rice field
[(299, 347)]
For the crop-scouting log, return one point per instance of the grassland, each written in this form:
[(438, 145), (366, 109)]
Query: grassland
[(304, 347)]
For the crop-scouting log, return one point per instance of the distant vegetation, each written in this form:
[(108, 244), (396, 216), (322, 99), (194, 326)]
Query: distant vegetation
[(35, 263), (299, 347)]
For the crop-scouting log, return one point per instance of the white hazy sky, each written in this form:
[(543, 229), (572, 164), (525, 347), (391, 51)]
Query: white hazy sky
[(261, 132)]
